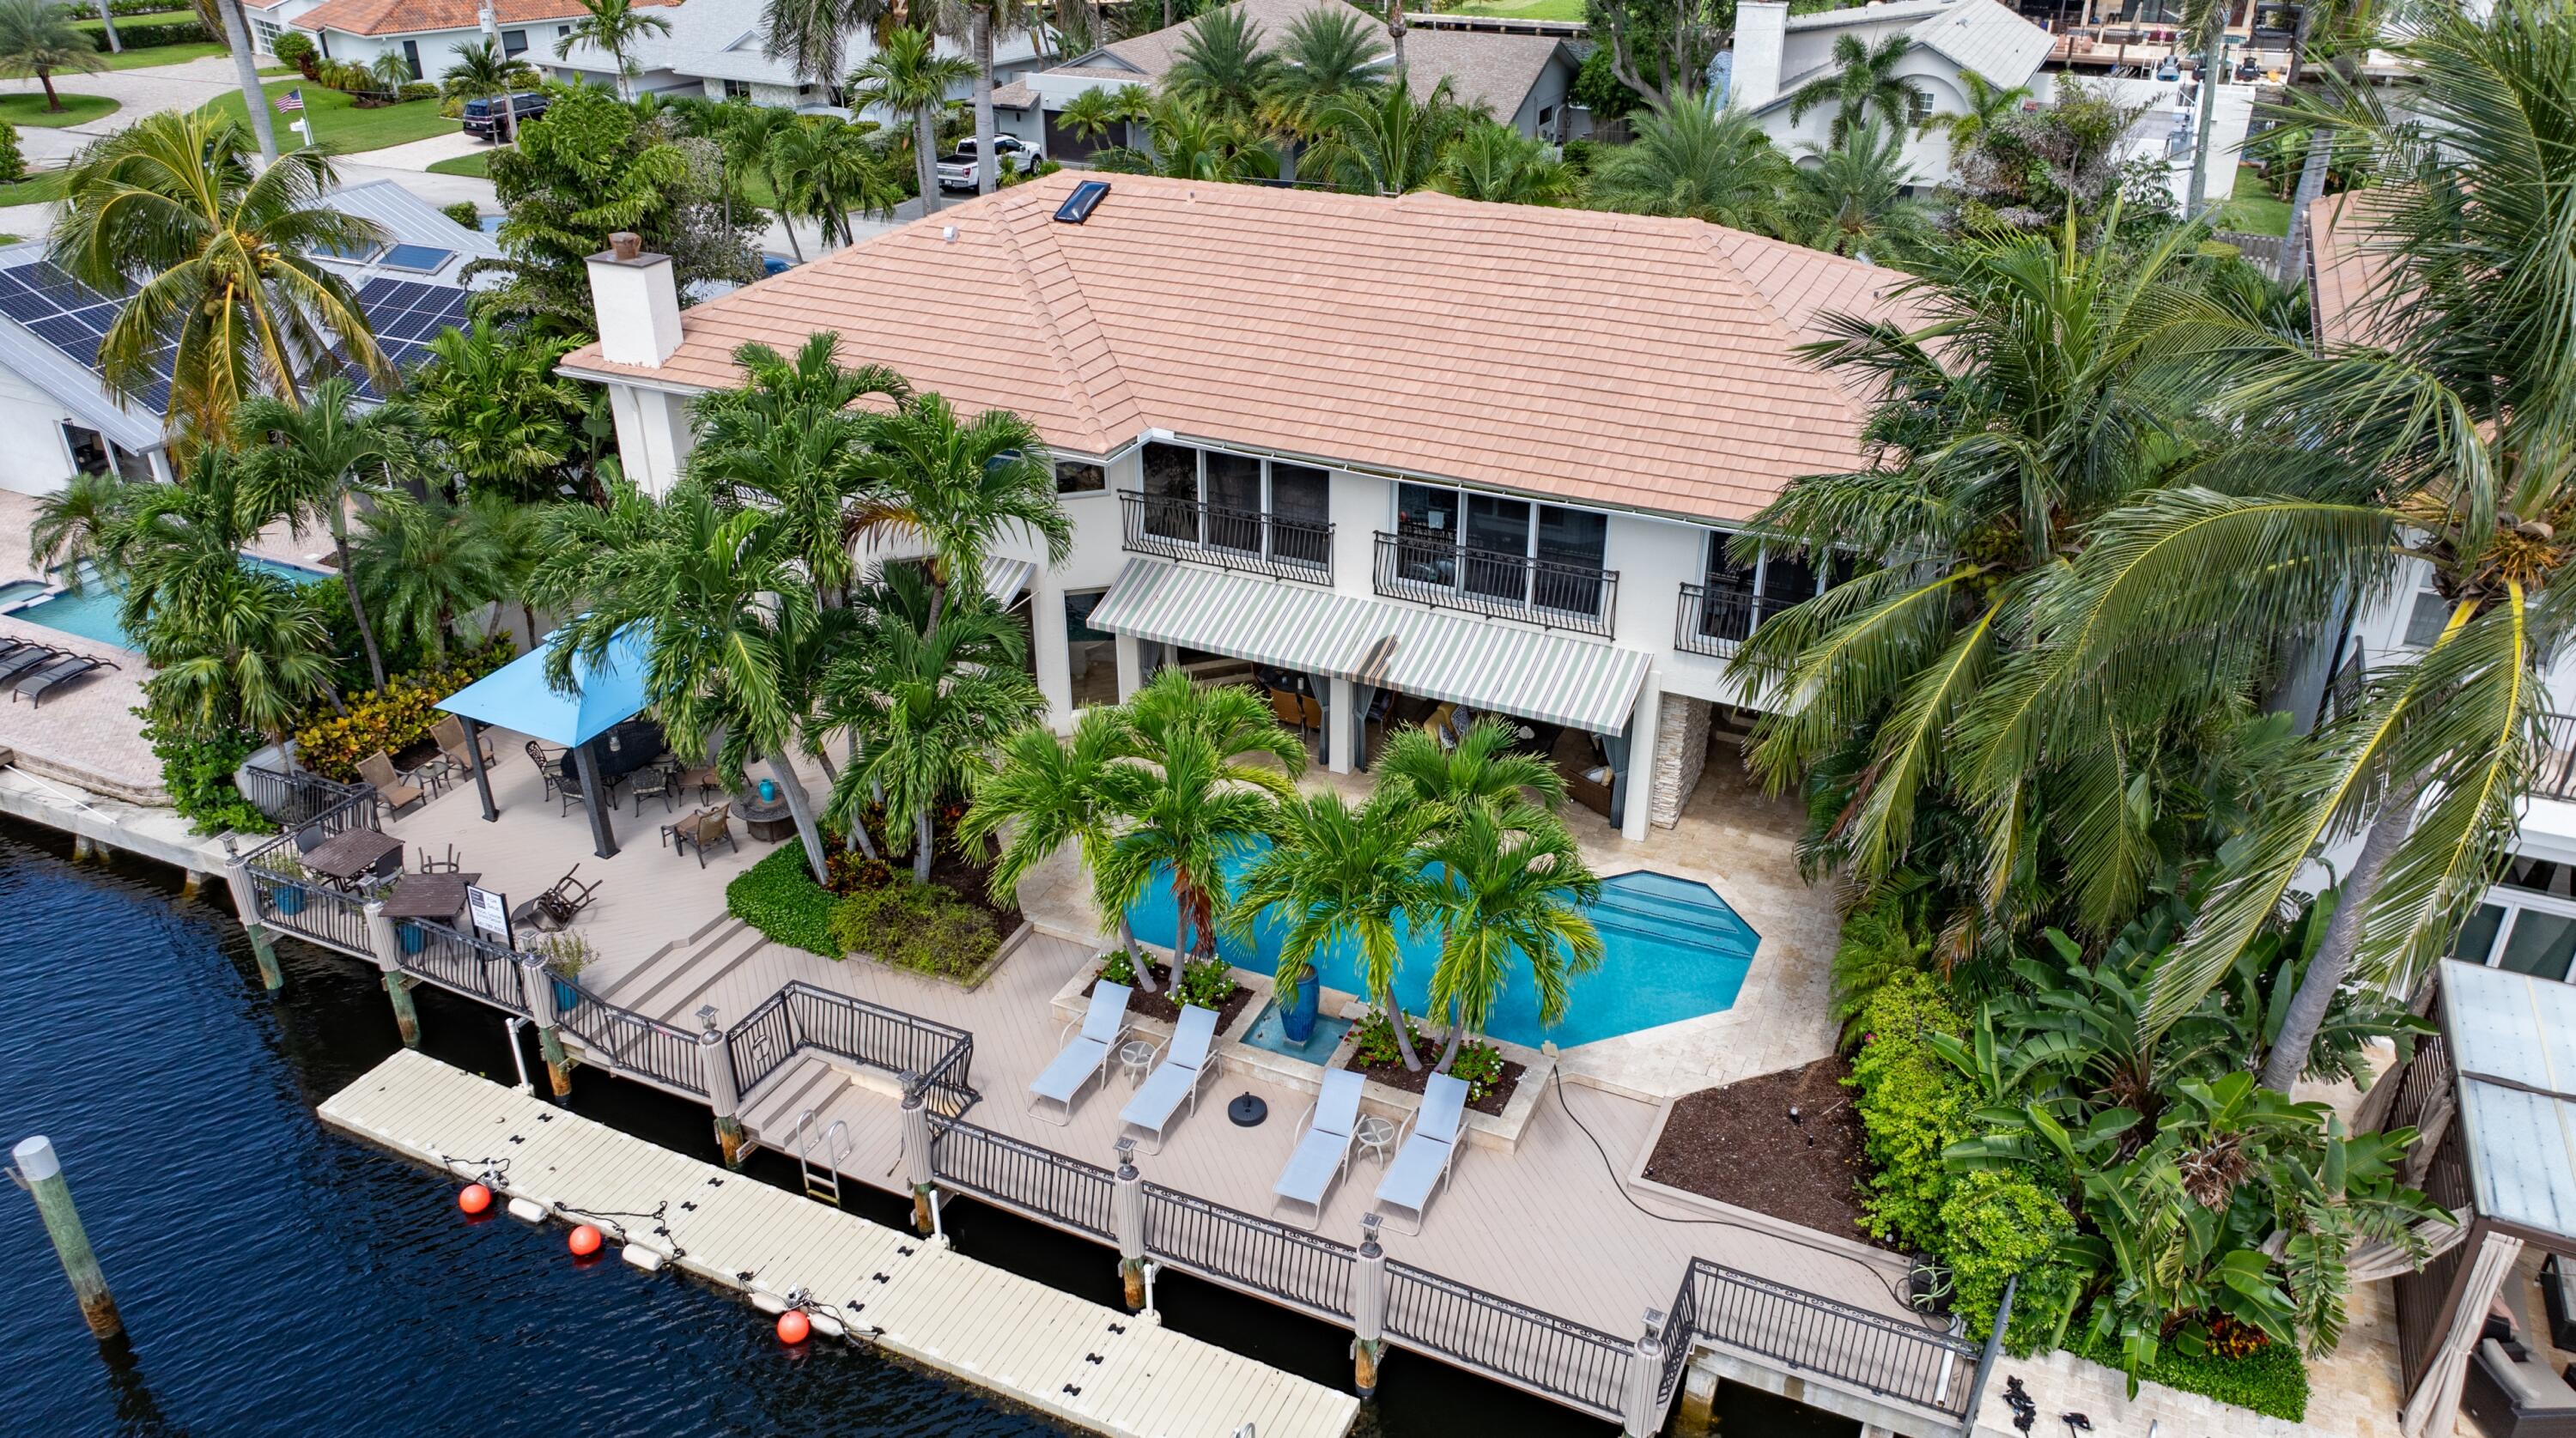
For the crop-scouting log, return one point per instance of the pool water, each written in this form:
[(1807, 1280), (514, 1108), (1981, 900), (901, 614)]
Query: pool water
[(1673, 950), (1268, 1032), (91, 613)]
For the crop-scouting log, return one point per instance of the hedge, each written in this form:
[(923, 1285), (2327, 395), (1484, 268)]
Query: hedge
[(146, 36), (392, 718), (926, 928), (2271, 1380), (1912, 1105), (778, 896)]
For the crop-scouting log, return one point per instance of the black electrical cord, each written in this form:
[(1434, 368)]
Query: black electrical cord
[(1557, 1077)]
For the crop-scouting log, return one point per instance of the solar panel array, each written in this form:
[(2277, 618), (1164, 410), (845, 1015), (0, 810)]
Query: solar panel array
[(73, 318)]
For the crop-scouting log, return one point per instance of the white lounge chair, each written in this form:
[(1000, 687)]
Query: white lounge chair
[(1184, 1066), (1323, 1145), (1422, 1164), (1085, 1056)]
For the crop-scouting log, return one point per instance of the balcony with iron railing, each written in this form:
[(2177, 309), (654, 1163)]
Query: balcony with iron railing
[(1712, 621), (1238, 539), (1433, 569)]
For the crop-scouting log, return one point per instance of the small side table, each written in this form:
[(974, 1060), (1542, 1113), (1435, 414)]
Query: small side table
[(1136, 1059), (1376, 1138)]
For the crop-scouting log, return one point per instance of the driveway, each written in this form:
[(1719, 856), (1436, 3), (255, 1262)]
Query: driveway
[(184, 86)]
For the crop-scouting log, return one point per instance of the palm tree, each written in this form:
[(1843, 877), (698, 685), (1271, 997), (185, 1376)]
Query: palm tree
[(75, 525), (787, 439), (926, 706), (813, 35), (312, 462), (37, 38), (1861, 82), (980, 23), (246, 74), (1328, 55), (1511, 894), (1387, 142), (1341, 874), (220, 258), (2441, 433), (827, 168), (910, 79), (483, 72), (750, 141), (1091, 115), (1852, 200), (614, 26), (1496, 162), (960, 487), (489, 405), (1050, 791), (428, 562), (1221, 67), (720, 601), (1989, 105), (1205, 801), (1192, 144), (1483, 769), (1688, 161)]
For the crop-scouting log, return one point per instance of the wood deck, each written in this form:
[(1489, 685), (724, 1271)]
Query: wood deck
[(1096, 1367)]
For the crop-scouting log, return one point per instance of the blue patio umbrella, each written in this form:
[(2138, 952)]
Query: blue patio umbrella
[(518, 697)]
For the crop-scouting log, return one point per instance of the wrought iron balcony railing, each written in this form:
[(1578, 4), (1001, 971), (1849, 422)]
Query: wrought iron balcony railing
[(1228, 538), (1430, 569)]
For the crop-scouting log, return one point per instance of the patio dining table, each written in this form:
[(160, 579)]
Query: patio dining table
[(428, 896), (345, 856), (621, 751)]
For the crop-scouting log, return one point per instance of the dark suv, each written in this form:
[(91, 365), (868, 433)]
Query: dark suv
[(483, 115)]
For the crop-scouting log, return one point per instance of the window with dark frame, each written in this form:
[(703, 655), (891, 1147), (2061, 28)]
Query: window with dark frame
[(1072, 476), (514, 42)]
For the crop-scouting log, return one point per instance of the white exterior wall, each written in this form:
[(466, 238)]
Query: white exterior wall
[(1927, 155), (39, 460)]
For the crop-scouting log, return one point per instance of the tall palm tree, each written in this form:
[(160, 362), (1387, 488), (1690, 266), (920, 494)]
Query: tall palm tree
[(1206, 800), (1387, 141), (1221, 66), (76, 524), (1190, 143), (927, 705), (1495, 162), (1326, 55), (1861, 81), (483, 72), (910, 79), (1852, 200), (1049, 791), (614, 26), (960, 487), (236, 30), (1511, 896), (980, 24), (1482, 769), (1688, 161), (1989, 105), (37, 38), (488, 405), (722, 605), (1091, 115), (313, 462), (749, 141), (430, 563), (221, 261), (2443, 433), (1339, 874), (813, 35), (828, 168), (787, 439)]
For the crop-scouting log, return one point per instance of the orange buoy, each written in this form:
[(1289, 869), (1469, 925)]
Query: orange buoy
[(585, 1241), (474, 1198), (794, 1327)]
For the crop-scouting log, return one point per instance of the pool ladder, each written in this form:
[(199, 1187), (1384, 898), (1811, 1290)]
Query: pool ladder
[(835, 1142)]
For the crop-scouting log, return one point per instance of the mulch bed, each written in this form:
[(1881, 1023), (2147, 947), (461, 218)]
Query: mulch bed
[(1737, 1145), (1397, 1076), (1162, 1007)]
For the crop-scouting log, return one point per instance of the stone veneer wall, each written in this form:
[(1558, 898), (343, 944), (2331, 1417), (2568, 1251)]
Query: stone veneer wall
[(1681, 752)]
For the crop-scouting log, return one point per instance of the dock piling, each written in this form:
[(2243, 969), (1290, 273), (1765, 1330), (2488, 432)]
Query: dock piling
[(537, 991), (246, 904), (1368, 1308), (40, 1170), (1127, 1216), (916, 1150), (388, 949), (715, 1056)]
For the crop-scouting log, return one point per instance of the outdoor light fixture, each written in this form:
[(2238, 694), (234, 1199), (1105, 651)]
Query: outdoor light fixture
[(707, 1016)]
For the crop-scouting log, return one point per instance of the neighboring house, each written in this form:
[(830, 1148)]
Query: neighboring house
[(715, 48), (1476, 455), (430, 35), (1777, 54), (1522, 79), (58, 419)]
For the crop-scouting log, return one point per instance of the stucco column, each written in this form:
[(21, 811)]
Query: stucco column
[(1636, 781), (1131, 667), (1047, 646), (1341, 724)]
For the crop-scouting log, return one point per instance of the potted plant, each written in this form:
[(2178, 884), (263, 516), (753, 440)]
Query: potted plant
[(565, 956), (1298, 992), (286, 875)]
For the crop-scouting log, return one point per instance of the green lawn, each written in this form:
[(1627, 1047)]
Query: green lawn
[(1520, 9), (2252, 210), (157, 17), (30, 109), (478, 165), (146, 58), (42, 188), (339, 125)]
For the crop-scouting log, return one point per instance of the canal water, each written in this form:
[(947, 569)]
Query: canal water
[(276, 1277)]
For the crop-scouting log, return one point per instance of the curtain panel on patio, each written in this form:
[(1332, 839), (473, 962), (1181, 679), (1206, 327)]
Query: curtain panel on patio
[(2435, 1404)]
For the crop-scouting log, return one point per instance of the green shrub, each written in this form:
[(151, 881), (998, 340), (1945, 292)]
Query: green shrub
[(778, 896), (1479, 1065), (198, 772), (144, 37), (926, 928), (391, 719), (2271, 1380), (1373, 1040), (1996, 1224), (293, 48), (1207, 983), (13, 161), (463, 212), (417, 90), (1912, 1106), (1119, 968)]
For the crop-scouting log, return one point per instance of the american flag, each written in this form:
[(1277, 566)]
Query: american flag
[(291, 100)]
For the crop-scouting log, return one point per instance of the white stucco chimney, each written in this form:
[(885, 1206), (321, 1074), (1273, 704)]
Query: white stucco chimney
[(636, 299), (1761, 34)]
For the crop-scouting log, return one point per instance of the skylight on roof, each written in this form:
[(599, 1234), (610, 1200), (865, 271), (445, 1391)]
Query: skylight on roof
[(1086, 197), (424, 259)]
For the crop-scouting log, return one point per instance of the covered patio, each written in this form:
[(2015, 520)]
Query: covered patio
[(594, 726)]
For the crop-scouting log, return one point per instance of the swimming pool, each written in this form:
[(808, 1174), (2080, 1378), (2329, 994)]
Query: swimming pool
[(1673, 950), (91, 613)]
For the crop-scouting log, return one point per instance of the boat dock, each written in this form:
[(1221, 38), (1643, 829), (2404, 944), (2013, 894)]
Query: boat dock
[(1080, 1362)]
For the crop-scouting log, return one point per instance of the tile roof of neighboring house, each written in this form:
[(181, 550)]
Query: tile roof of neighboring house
[(414, 17), (1482, 68), (2346, 270), (1978, 35), (1014, 96), (1618, 359)]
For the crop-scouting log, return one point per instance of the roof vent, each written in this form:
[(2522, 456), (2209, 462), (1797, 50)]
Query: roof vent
[(1086, 197), (948, 233)]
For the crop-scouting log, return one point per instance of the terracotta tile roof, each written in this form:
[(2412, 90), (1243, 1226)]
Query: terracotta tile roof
[(1623, 360), (412, 17), (2346, 271)]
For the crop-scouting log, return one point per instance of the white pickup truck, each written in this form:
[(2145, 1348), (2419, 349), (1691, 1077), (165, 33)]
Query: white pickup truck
[(957, 171)]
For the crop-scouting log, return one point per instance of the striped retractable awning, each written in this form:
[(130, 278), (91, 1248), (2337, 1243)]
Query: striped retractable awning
[(1554, 678), (1005, 578)]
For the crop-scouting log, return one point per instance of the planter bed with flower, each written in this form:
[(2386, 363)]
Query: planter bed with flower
[(1491, 1078), (1163, 1005)]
